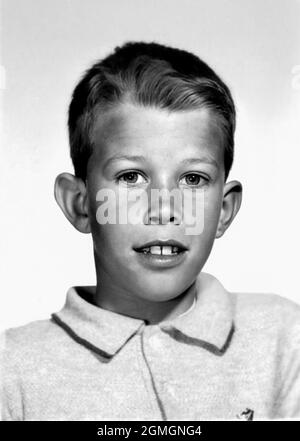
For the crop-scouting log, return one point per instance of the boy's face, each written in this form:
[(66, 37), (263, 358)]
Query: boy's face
[(176, 150)]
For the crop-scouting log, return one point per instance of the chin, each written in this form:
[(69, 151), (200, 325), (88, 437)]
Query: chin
[(162, 291)]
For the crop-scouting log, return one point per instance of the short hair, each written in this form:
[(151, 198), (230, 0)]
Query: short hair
[(147, 74)]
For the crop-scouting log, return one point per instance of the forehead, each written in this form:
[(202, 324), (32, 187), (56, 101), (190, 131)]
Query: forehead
[(150, 130)]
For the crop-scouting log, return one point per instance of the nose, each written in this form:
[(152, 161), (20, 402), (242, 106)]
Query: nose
[(164, 207)]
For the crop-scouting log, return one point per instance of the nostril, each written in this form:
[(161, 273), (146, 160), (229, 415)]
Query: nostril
[(175, 220), (153, 220), (157, 220)]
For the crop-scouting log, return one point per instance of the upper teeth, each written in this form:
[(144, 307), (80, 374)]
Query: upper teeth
[(166, 249)]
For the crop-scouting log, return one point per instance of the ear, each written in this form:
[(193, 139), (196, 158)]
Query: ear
[(71, 195), (232, 199)]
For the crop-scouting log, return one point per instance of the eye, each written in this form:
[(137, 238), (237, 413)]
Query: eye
[(193, 179), (131, 177)]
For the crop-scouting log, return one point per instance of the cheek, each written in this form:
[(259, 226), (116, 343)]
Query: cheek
[(113, 246), (113, 215), (203, 243), (211, 214), (112, 238), (212, 208), (116, 204)]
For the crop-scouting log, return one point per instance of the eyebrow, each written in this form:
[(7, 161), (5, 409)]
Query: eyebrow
[(188, 161), (205, 160), (127, 157)]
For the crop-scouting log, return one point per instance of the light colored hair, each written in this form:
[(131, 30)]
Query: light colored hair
[(147, 74)]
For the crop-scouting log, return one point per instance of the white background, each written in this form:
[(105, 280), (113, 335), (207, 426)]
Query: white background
[(46, 45)]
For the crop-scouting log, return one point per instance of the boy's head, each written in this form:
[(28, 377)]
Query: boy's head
[(148, 75), (149, 117)]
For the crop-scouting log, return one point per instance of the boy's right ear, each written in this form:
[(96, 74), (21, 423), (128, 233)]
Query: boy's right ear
[(71, 195)]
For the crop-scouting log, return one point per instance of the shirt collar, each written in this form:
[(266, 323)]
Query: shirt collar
[(208, 324)]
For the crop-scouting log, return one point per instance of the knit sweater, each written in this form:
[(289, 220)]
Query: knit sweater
[(231, 356)]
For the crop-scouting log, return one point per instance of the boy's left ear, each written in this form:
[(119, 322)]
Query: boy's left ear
[(232, 199)]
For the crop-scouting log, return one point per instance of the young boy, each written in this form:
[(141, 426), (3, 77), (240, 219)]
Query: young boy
[(156, 338)]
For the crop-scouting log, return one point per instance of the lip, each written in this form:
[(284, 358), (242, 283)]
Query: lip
[(159, 242), (158, 261)]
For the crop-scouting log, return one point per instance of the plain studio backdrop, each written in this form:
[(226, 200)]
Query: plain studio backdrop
[(254, 45)]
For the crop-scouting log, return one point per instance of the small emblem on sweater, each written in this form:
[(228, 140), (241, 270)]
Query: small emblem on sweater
[(246, 415)]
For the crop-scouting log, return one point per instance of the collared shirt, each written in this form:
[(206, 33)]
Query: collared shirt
[(230, 356)]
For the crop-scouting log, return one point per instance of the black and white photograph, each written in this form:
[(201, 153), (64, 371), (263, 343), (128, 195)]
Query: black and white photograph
[(149, 194)]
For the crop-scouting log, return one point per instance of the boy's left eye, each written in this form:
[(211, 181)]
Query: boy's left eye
[(194, 179)]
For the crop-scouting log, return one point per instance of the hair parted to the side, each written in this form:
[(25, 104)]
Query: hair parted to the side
[(147, 74)]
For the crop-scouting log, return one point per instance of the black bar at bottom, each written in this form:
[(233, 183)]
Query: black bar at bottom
[(206, 430)]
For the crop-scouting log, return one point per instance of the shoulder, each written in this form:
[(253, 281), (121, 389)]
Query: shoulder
[(23, 344), (32, 333), (269, 327), (265, 303), (24, 350), (270, 311)]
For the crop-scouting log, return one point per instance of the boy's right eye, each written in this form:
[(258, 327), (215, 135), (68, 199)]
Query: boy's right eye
[(131, 177)]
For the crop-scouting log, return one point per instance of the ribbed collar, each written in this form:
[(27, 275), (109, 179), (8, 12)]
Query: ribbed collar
[(208, 324)]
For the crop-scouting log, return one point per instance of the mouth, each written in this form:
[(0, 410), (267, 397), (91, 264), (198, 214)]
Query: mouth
[(162, 250), (161, 254)]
